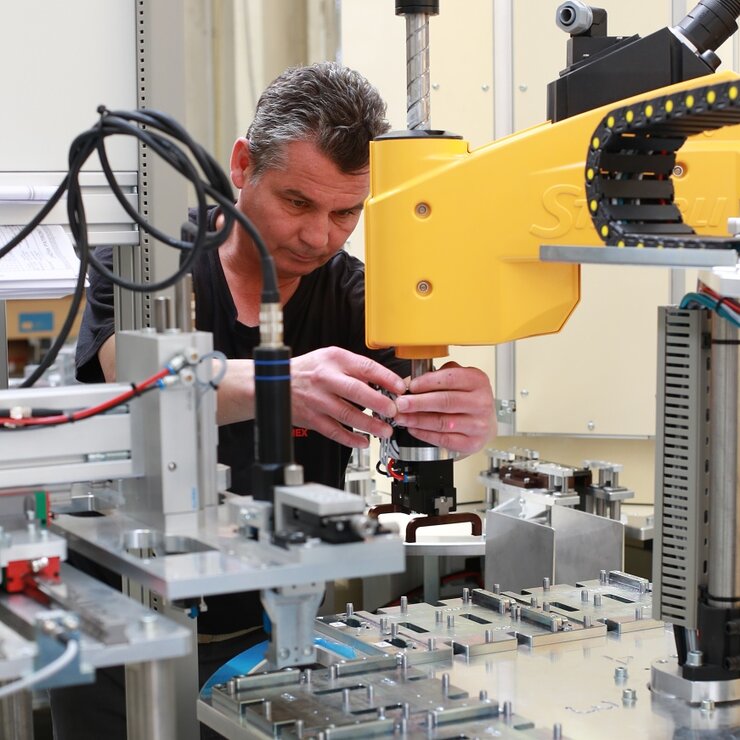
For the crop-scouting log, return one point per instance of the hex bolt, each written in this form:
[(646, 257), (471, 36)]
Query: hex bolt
[(629, 695), (404, 604)]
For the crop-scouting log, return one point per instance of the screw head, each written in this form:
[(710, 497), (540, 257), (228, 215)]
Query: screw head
[(423, 287), (423, 210)]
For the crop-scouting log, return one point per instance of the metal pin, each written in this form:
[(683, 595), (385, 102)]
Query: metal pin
[(584, 594), (545, 606), (404, 604), (406, 709), (370, 694), (381, 712), (507, 709), (445, 683), (450, 621), (638, 613), (603, 577), (307, 675), (432, 643), (488, 635), (545, 584), (438, 616), (350, 608), (483, 695), (620, 673), (557, 731), (333, 671), (298, 728), (586, 620), (533, 602), (403, 661), (597, 599), (497, 588), (384, 625), (629, 695), (403, 726), (345, 700), (267, 708), (394, 630), (466, 596), (502, 607)]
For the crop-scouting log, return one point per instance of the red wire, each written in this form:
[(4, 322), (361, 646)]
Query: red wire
[(93, 410), (703, 288), (392, 472)]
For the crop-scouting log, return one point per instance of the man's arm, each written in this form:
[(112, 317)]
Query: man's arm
[(327, 387), (107, 358)]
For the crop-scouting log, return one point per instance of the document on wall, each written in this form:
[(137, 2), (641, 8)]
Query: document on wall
[(43, 265)]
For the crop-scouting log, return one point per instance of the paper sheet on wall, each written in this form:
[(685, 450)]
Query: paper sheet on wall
[(43, 265)]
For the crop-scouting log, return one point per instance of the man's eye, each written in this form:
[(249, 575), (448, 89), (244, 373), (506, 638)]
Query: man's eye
[(298, 203), (347, 214)]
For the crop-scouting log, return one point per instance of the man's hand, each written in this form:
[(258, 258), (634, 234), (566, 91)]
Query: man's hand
[(328, 385), (451, 407)]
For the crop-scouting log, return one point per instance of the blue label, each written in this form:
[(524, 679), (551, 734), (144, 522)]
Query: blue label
[(32, 322)]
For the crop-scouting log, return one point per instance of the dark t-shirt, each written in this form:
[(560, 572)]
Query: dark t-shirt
[(327, 309)]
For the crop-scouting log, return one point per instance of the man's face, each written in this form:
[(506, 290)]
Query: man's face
[(306, 210)]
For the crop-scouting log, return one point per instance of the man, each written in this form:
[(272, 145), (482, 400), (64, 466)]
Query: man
[(302, 174)]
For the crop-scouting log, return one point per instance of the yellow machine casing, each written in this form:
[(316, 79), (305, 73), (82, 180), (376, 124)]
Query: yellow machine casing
[(452, 236)]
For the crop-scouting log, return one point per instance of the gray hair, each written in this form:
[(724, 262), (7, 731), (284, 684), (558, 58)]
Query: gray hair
[(330, 105)]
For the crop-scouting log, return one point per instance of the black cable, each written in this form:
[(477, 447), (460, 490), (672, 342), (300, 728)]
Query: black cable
[(167, 138)]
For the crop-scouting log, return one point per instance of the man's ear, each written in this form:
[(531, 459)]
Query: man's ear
[(241, 162)]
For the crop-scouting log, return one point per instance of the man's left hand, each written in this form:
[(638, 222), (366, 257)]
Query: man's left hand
[(451, 407)]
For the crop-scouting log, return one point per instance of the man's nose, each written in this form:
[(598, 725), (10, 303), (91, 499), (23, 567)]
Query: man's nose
[(315, 230)]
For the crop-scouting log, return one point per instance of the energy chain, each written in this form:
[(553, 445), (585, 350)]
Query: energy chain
[(632, 156)]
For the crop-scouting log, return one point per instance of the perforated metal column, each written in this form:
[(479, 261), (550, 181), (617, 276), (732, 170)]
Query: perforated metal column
[(681, 465)]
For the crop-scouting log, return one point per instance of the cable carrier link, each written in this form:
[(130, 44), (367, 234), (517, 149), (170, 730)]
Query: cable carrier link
[(632, 155)]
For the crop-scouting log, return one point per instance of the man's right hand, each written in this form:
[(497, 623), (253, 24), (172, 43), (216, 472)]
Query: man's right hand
[(329, 384)]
